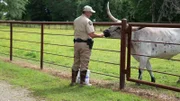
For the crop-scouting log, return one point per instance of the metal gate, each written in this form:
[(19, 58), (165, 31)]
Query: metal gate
[(126, 33)]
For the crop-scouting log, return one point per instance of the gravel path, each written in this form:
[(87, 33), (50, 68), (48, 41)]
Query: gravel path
[(11, 93)]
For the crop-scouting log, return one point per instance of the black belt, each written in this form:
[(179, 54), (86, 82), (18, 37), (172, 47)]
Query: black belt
[(89, 42), (79, 40)]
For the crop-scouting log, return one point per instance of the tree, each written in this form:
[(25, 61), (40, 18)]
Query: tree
[(68, 10), (2, 9), (169, 10), (36, 10), (119, 8), (156, 10), (64, 10), (122, 9), (15, 8)]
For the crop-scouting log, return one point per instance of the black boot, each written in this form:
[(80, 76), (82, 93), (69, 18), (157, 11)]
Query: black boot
[(82, 77), (73, 78)]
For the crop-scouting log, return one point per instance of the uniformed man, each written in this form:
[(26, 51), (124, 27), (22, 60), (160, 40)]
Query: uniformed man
[(83, 34)]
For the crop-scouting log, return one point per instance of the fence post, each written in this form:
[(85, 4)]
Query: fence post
[(11, 41), (129, 52), (42, 46), (123, 54)]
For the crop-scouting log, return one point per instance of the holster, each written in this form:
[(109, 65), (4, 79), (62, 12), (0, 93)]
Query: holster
[(90, 42)]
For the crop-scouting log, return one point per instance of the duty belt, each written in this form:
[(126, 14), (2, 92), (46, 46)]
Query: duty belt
[(79, 40), (89, 42)]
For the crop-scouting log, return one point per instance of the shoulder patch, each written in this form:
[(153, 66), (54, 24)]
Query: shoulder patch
[(90, 23)]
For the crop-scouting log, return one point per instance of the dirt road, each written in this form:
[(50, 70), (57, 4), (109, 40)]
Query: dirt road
[(12, 93)]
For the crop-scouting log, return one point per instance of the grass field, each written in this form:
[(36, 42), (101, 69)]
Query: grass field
[(52, 88), (157, 64)]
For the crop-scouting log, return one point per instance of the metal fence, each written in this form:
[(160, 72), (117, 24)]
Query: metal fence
[(42, 25), (124, 72), (129, 67)]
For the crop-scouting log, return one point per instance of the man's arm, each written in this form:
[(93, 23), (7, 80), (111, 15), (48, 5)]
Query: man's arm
[(93, 35)]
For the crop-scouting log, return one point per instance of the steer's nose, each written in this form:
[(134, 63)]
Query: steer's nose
[(106, 33)]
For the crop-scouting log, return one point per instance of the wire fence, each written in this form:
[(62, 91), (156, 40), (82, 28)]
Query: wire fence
[(42, 43), (53, 26)]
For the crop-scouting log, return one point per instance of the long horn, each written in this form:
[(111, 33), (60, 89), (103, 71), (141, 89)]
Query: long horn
[(110, 15)]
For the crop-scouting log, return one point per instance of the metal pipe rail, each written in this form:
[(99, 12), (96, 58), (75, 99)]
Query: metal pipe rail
[(178, 60), (25, 32), (128, 70), (28, 41), (90, 59), (4, 53), (176, 75), (108, 75), (108, 50), (58, 23), (165, 25), (155, 42), (61, 55), (4, 31), (57, 34), (154, 84), (113, 76), (4, 38), (4, 46)]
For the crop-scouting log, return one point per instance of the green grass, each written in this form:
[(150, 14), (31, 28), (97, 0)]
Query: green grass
[(157, 64), (53, 88)]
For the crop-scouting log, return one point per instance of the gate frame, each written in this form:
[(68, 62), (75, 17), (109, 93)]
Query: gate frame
[(127, 71), (123, 54)]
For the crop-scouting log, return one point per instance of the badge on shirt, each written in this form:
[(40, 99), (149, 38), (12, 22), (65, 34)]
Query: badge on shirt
[(90, 23)]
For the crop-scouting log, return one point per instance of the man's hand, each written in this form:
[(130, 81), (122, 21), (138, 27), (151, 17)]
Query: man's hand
[(93, 35), (101, 35)]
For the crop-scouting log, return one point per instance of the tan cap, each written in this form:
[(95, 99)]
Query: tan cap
[(89, 9)]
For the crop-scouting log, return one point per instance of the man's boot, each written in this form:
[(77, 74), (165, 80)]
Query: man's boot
[(82, 78), (73, 78)]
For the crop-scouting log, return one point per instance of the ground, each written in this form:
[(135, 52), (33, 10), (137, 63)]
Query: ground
[(148, 94), (45, 84), (14, 93)]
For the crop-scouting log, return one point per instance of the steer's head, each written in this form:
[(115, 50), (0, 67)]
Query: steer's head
[(113, 32)]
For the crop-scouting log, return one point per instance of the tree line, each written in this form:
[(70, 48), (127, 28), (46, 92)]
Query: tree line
[(68, 10)]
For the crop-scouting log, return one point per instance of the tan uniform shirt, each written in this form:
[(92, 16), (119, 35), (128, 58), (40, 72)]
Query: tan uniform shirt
[(82, 27)]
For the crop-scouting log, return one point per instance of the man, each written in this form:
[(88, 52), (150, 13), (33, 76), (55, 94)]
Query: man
[(83, 35)]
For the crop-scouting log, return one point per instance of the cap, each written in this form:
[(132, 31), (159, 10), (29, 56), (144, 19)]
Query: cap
[(88, 8)]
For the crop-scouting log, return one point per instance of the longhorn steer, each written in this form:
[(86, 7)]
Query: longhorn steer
[(148, 49)]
